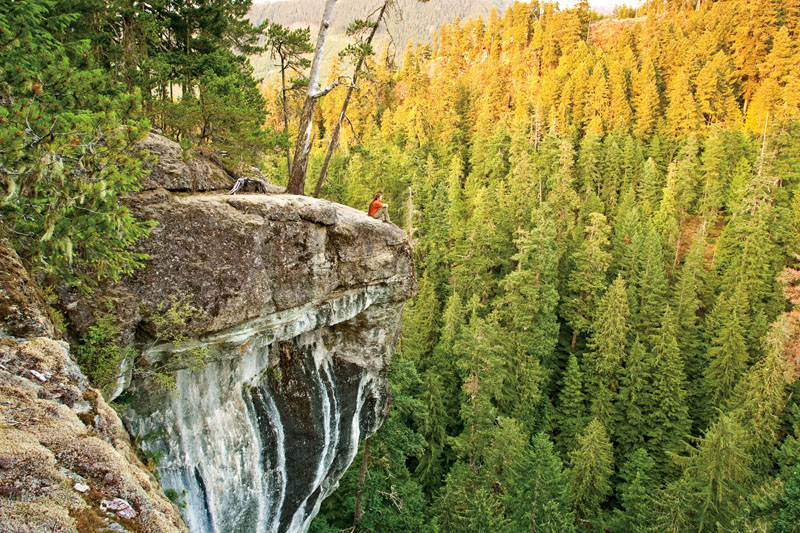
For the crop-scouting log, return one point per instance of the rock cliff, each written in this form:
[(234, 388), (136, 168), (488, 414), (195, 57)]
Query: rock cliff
[(297, 303), (63, 451)]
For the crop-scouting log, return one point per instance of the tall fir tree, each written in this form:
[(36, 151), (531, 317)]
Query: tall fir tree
[(607, 352), (591, 468), (668, 421), (587, 281), (570, 407), (539, 498)]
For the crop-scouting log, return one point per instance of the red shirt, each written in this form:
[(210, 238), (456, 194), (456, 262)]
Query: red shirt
[(374, 206)]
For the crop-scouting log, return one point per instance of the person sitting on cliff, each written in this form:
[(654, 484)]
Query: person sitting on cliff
[(378, 209)]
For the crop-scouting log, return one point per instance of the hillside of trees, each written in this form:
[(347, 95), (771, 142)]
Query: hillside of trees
[(410, 21), (602, 338)]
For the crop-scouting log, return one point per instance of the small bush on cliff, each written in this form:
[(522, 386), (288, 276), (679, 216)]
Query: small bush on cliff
[(171, 326), (99, 354)]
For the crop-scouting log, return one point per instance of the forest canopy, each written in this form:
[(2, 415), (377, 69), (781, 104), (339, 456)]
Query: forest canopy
[(600, 340)]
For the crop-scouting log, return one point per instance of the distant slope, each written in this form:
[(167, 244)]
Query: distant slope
[(414, 21)]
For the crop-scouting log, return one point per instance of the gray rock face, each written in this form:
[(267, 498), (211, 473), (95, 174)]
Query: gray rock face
[(173, 172), (300, 304)]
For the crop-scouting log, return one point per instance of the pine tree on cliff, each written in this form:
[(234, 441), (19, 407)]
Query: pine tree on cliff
[(288, 46)]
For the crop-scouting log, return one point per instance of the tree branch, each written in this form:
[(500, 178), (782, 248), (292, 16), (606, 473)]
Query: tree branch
[(322, 92)]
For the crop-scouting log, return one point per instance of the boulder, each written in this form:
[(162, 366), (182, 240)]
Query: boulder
[(175, 171)]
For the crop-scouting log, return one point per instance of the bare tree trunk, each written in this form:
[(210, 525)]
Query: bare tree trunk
[(763, 146), (297, 178), (285, 116), (410, 217), (362, 477), (338, 127)]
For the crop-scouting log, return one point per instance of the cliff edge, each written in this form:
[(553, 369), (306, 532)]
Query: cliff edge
[(295, 303)]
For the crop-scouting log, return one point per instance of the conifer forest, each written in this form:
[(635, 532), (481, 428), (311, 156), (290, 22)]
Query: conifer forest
[(604, 213)]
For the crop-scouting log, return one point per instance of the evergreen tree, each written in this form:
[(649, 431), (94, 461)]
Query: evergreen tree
[(650, 288), (635, 494), (607, 352), (464, 505), (683, 116), (485, 374), (717, 475), (650, 186), (668, 421), (430, 470), (647, 100), (420, 324), (634, 402), (687, 300), (591, 467), (727, 360), (530, 291), (587, 281), (446, 354), (539, 497), (570, 407), (621, 113), (590, 164)]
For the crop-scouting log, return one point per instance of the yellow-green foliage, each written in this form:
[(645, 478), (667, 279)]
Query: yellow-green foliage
[(99, 354), (170, 324)]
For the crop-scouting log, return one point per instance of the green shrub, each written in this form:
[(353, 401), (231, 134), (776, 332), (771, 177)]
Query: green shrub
[(99, 354), (170, 324)]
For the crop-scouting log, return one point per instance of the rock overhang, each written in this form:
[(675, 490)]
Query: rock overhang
[(240, 258)]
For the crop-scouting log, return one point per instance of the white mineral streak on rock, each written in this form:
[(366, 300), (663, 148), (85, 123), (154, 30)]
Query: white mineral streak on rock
[(302, 518), (270, 511), (333, 407)]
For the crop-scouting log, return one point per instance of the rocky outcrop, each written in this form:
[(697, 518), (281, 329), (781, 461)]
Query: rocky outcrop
[(63, 451), (174, 169), (23, 312), (170, 168), (298, 305)]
